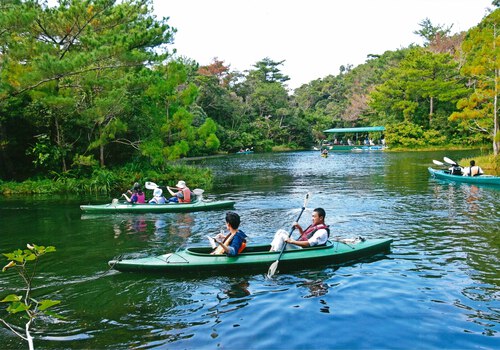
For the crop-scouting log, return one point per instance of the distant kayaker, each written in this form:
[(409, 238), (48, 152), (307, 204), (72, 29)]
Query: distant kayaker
[(183, 194), (316, 234), (473, 169), (235, 241), (137, 196), (157, 197)]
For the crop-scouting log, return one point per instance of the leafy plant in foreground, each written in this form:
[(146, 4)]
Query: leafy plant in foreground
[(25, 262)]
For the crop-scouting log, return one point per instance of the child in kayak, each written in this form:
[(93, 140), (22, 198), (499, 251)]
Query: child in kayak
[(137, 196)]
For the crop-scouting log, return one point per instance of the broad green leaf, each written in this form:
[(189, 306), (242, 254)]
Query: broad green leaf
[(45, 304), (17, 306), (10, 298)]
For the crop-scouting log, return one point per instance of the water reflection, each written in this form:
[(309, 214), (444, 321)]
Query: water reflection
[(473, 197), (237, 290), (317, 288), (180, 226)]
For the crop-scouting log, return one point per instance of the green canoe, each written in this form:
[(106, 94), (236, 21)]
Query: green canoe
[(126, 207), (477, 180), (255, 258)]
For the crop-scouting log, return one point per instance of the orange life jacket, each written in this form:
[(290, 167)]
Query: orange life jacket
[(186, 192)]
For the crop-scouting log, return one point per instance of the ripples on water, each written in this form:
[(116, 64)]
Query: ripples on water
[(439, 288)]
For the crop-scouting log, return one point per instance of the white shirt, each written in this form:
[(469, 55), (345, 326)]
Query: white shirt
[(320, 237)]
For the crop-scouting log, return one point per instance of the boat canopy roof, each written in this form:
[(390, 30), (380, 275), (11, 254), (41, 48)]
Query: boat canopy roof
[(359, 129)]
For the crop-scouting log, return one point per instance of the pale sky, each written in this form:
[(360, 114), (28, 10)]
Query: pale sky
[(314, 37)]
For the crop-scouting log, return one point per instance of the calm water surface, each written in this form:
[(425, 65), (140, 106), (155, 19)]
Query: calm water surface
[(439, 288)]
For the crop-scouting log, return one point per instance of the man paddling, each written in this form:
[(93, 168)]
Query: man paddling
[(316, 234)]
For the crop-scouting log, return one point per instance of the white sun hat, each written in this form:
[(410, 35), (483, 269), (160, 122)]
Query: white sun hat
[(181, 184)]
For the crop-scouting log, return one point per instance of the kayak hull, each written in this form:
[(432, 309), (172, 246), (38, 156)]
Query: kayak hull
[(157, 208), (253, 258), (478, 180)]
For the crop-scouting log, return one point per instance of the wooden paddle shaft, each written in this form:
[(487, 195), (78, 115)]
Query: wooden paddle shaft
[(220, 250)]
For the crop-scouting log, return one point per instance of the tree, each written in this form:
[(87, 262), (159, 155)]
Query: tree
[(266, 70), (481, 50), (76, 62), (423, 82), (430, 32)]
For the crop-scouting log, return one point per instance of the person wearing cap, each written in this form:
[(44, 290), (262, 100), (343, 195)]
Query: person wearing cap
[(157, 197), (183, 194), (137, 196)]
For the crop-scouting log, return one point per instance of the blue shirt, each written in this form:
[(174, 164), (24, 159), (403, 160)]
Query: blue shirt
[(236, 243)]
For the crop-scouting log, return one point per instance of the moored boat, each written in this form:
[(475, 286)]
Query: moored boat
[(254, 258), (125, 207), (478, 180)]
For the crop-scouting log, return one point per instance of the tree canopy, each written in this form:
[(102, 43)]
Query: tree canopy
[(96, 83)]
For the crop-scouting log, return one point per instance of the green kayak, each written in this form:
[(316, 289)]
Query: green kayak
[(255, 258), (125, 207), (478, 180)]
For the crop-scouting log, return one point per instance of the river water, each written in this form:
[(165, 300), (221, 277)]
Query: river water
[(438, 288)]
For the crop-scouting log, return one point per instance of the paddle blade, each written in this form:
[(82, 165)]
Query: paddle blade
[(272, 269), (212, 242), (306, 199), (437, 162), (150, 185), (450, 161)]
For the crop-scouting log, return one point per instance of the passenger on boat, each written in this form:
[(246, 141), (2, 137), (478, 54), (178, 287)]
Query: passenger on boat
[(473, 169), (235, 241), (455, 170), (157, 197), (316, 234), (183, 194), (137, 196)]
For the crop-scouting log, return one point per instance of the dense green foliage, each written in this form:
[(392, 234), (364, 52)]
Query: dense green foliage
[(89, 89)]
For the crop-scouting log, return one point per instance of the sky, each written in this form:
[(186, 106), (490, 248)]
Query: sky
[(314, 37)]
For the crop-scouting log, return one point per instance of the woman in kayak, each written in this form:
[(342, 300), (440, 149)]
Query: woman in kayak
[(235, 241), (183, 194), (137, 196), (316, 234)]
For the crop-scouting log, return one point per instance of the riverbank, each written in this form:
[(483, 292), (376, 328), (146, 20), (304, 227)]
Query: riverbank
[(104, 181)]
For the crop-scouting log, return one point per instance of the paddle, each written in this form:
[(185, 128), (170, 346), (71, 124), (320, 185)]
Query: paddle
[(150, 185), (437, 162), (449, 161), (274, 265)]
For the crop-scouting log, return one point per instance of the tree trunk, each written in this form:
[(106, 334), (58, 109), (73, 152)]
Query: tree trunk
[(101, 155), (60, 144), (431, 110)]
